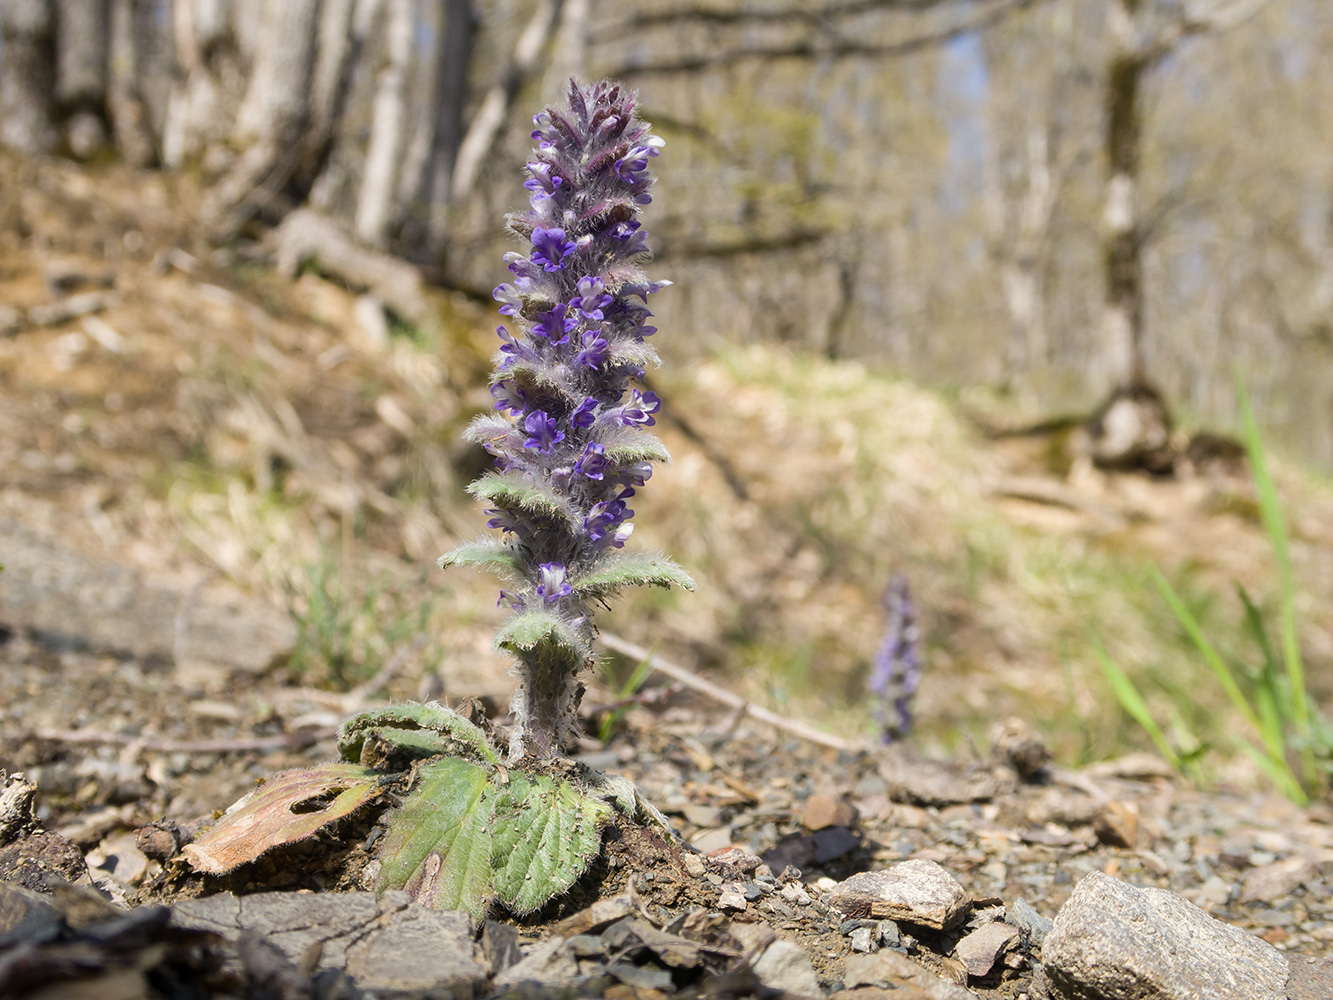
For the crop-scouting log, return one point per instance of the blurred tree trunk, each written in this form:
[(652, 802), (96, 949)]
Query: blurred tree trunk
[(375, 200), (1122, 259), (457, 27), (490, 117), (27, 76), (125, 104), (272, 114), (81, 72)]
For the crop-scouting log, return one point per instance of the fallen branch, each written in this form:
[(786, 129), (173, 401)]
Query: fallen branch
[(729, 698), (298, 740)]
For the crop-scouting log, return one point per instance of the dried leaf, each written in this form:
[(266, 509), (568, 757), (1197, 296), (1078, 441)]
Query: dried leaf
[(290, 807)]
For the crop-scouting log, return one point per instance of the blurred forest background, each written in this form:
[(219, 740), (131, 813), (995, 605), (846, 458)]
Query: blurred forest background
[(1040, 194), (1028, 202)]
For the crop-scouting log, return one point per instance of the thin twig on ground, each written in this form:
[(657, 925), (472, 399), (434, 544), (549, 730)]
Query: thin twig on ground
[(298, 740), (723, 696)]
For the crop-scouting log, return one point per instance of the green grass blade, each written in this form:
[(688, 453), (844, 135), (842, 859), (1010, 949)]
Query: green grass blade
[(1210, 655), (1133, 704), (1270, 508), (1279, 773)]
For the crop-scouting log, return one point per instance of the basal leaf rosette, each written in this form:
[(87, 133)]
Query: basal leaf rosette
[(570, 431)]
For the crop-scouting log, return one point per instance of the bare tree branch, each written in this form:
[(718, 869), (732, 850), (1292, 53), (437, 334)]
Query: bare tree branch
[(1195, 21), (836, 48)]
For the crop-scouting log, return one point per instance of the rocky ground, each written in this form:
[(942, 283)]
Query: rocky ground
[(800, 868)]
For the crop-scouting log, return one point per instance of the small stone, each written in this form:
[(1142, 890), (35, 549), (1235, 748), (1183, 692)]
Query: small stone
[(1276, 880), (1117, 824), (921, 782), (893, 971), (823, 811), (752, 891), (980, 950), (785, 966), (1023, 916), (1021, 746), (1215, 891), (889, 936), (601, 914), (694, 865), (863, 940), (703, 816), (915, 892), (732, 898), (712, 840), (795, 893), (550, 963), (834, 842), (1112, 940), (826, 884)]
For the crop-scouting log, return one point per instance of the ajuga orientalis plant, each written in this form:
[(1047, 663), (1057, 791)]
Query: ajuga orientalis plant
[(570, 435), (460, 828), (896, 673)]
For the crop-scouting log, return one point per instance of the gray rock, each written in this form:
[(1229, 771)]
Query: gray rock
[(921, 782), (1023, 916), (103, 604), (981, 949), (1310, 978), (1112, 941), (390, 945), (550, 963), (914, 892), (891, 970), (864, 940), (1276, 880), (785, 966)]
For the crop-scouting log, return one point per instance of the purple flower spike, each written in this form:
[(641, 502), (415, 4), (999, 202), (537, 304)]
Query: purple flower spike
[(550, 248), (543, 432), (571, 356), (897, 670), (554, 585)]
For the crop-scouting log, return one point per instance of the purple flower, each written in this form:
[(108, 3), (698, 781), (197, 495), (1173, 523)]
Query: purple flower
[(543, 183), (631, 167), (639, 410), (550, 248), (505, 521), (594, 350), (897, 670), (554, 585), (508, 396), (593, 463), (509, 297), (513, 600), (554, 325), (543, 432), (592, 298), (584, 415), (605, 519)]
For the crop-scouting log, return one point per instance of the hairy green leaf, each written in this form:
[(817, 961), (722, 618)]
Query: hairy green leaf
[(544, 836), (529, 631), (416, 726), (642, 447), (488, 553), (514, 491), (632, 568), (438, 845)]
